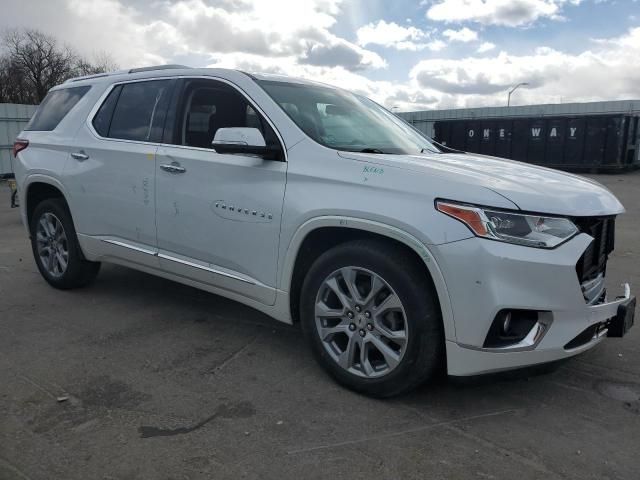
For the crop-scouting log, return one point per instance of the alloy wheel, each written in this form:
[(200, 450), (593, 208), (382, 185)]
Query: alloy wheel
[(361, 322), (52, 245)]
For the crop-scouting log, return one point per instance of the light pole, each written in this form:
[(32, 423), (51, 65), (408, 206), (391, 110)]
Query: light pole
[(523, 84)]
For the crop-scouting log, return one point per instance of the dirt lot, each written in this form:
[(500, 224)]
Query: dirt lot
[(167, 382)]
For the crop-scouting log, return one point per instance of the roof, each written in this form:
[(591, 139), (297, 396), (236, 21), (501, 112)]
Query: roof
[(287, 79), (179, 70)]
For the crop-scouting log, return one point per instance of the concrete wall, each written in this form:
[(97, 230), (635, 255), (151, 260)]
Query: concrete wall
[(13, 118)]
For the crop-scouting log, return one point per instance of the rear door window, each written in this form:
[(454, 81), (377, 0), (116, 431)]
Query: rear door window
[(55, 106), (135, 111)]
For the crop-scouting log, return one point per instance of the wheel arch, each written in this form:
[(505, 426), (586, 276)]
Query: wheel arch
[(38, 188), (319, 234)]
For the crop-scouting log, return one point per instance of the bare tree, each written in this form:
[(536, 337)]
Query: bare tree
[(100, 62), (40, 61), (11, 83), (32, 62)]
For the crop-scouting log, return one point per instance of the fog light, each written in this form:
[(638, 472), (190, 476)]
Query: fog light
[(510, 327), (506, 322)]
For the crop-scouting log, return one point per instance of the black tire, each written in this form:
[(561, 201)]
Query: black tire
[(79, 271), (424, 354)]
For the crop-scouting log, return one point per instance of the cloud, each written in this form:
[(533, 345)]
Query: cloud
[(254, 35), (486, 47), (510, 13), (610, 70), (464, 35), (204, 27), (109, 26), (391, 94), (436, 45), (391, 35), (260, 28), (143, 32), (339, 52)]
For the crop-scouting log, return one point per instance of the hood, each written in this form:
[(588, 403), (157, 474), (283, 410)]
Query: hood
[(531, 188)]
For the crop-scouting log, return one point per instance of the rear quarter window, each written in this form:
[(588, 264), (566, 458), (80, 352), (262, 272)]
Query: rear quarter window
[(102, 120), (55, 106)]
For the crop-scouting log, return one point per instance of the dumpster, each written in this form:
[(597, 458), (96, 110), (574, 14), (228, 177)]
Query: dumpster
[(574, 143)]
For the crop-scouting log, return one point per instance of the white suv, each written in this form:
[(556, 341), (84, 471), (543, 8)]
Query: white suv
[(398, 256)]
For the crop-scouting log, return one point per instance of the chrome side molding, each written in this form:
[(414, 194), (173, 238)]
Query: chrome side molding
[(171, 258), (129, 246), (208, 269)]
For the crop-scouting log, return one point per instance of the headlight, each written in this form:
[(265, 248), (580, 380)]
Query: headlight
[(530, 230)]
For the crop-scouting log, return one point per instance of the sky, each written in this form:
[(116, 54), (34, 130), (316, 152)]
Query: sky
[(409, 54)]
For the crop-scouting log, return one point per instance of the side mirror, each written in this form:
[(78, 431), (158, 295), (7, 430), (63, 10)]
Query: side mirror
[(244, 140)]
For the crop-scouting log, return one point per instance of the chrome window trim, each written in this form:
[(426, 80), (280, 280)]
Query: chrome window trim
[(94, 111)]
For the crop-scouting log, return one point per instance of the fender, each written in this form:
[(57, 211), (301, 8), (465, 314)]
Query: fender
[(409, 240), (37, 178)]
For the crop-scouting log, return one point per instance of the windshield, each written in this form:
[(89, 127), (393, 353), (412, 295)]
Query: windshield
[(344, 121)]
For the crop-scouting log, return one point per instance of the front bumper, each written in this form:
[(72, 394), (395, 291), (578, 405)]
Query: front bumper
[(484, 277)]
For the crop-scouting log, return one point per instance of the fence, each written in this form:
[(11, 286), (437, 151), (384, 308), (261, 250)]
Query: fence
[(13, 118)]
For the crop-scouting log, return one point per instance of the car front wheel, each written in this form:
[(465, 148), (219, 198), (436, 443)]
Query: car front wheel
[(372, 318)]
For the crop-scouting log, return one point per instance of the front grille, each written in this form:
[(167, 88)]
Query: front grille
[(593, 261)]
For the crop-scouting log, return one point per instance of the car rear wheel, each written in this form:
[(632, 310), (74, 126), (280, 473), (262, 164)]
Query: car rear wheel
[(371, 316), (55, 247)]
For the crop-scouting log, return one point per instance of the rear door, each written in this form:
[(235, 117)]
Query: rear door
[(112, 174), (218, 215)]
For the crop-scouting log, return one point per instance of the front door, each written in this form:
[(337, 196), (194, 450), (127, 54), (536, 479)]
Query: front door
[(218, 215)]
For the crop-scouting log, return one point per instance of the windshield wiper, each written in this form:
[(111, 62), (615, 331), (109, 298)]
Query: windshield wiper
[(426, 150), (371, 150)]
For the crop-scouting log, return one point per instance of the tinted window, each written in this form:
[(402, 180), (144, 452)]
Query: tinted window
[(139, 107), (102, 120), (55, 107), (207, 106)]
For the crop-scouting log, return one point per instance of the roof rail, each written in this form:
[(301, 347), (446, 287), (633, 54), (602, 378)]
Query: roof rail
[(85, 77), (131, 70), (157, 67)]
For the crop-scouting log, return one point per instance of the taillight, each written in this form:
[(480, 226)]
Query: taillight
[(19, 145)]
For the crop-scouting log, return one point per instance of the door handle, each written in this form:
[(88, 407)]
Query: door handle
[(173, 168), (80, 156)]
